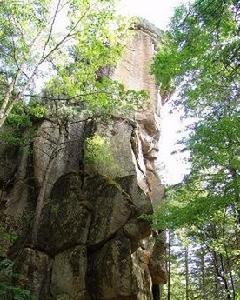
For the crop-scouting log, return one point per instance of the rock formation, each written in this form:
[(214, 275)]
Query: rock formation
[(79, 235)]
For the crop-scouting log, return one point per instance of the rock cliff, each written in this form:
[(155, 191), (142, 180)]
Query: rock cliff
[(79, 235)]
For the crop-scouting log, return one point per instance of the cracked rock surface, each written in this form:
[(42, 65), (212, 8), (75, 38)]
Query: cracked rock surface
[(79, 236)]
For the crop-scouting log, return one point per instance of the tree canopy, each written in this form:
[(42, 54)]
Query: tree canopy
[(66, 47), (198, 58)]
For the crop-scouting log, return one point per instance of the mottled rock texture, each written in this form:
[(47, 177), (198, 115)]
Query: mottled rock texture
[(79, 235)]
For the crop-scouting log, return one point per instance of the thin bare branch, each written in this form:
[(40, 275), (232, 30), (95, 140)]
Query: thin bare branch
[(52, 25), (44, 57)]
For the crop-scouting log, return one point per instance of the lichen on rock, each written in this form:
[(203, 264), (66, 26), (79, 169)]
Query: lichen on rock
[(83, 238)]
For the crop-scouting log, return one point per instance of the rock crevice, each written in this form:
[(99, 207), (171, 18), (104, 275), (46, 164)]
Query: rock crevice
[(79, 232)]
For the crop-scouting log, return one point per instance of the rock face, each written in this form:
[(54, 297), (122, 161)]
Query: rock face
[(79, 232)]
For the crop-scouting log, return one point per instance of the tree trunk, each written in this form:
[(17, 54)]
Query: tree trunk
[(156, 292), (220, 274), (203, 274), (186, 274), (169, 267)]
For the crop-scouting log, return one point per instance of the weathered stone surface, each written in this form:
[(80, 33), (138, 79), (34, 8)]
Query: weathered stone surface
[(112, 269), (118, 135), (53, 151), (141, 202), (68, 275), (150, 29), (140, 269), (17, 198), (136, 230), (134, 68), (65, 217), (111, 212), (114, 202), (17, 205), (83, 239), (134, 72), (34, 268), (8, 161), (157, 261)]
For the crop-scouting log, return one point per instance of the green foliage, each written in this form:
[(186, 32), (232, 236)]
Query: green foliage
[(6, 237), (99, 155), (199, 56), (21, 117), (7, 273), (84, 84), (22, 114), (76, 61), (20, 23), (6, 288)]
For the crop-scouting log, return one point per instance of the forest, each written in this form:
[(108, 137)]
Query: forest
[(57, 58), (199, 56)]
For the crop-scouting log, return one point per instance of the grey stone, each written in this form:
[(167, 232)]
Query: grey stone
[(34, 269), (83, 238), (65, 217), (68, 274), (110, 271)]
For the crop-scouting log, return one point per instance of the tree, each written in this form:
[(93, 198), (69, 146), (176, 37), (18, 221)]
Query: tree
[(199, 55), (32, 47)]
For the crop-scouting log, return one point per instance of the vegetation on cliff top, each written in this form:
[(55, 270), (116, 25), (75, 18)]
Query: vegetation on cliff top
[(56, 62), (73, 44)]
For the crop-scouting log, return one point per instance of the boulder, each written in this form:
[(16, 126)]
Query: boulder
[(68, 274), (34, 269), (110, 271), (65, 217)]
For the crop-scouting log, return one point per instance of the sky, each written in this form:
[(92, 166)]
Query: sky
[(157, 12), (172, 168)]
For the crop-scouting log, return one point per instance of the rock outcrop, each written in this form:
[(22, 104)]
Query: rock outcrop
[(79, 235)]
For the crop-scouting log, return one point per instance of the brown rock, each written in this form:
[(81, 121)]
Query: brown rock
[(157, 261), (65, 217), (87, 219), (136, 230), (34, 268), (110, 272), (68, 274)]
